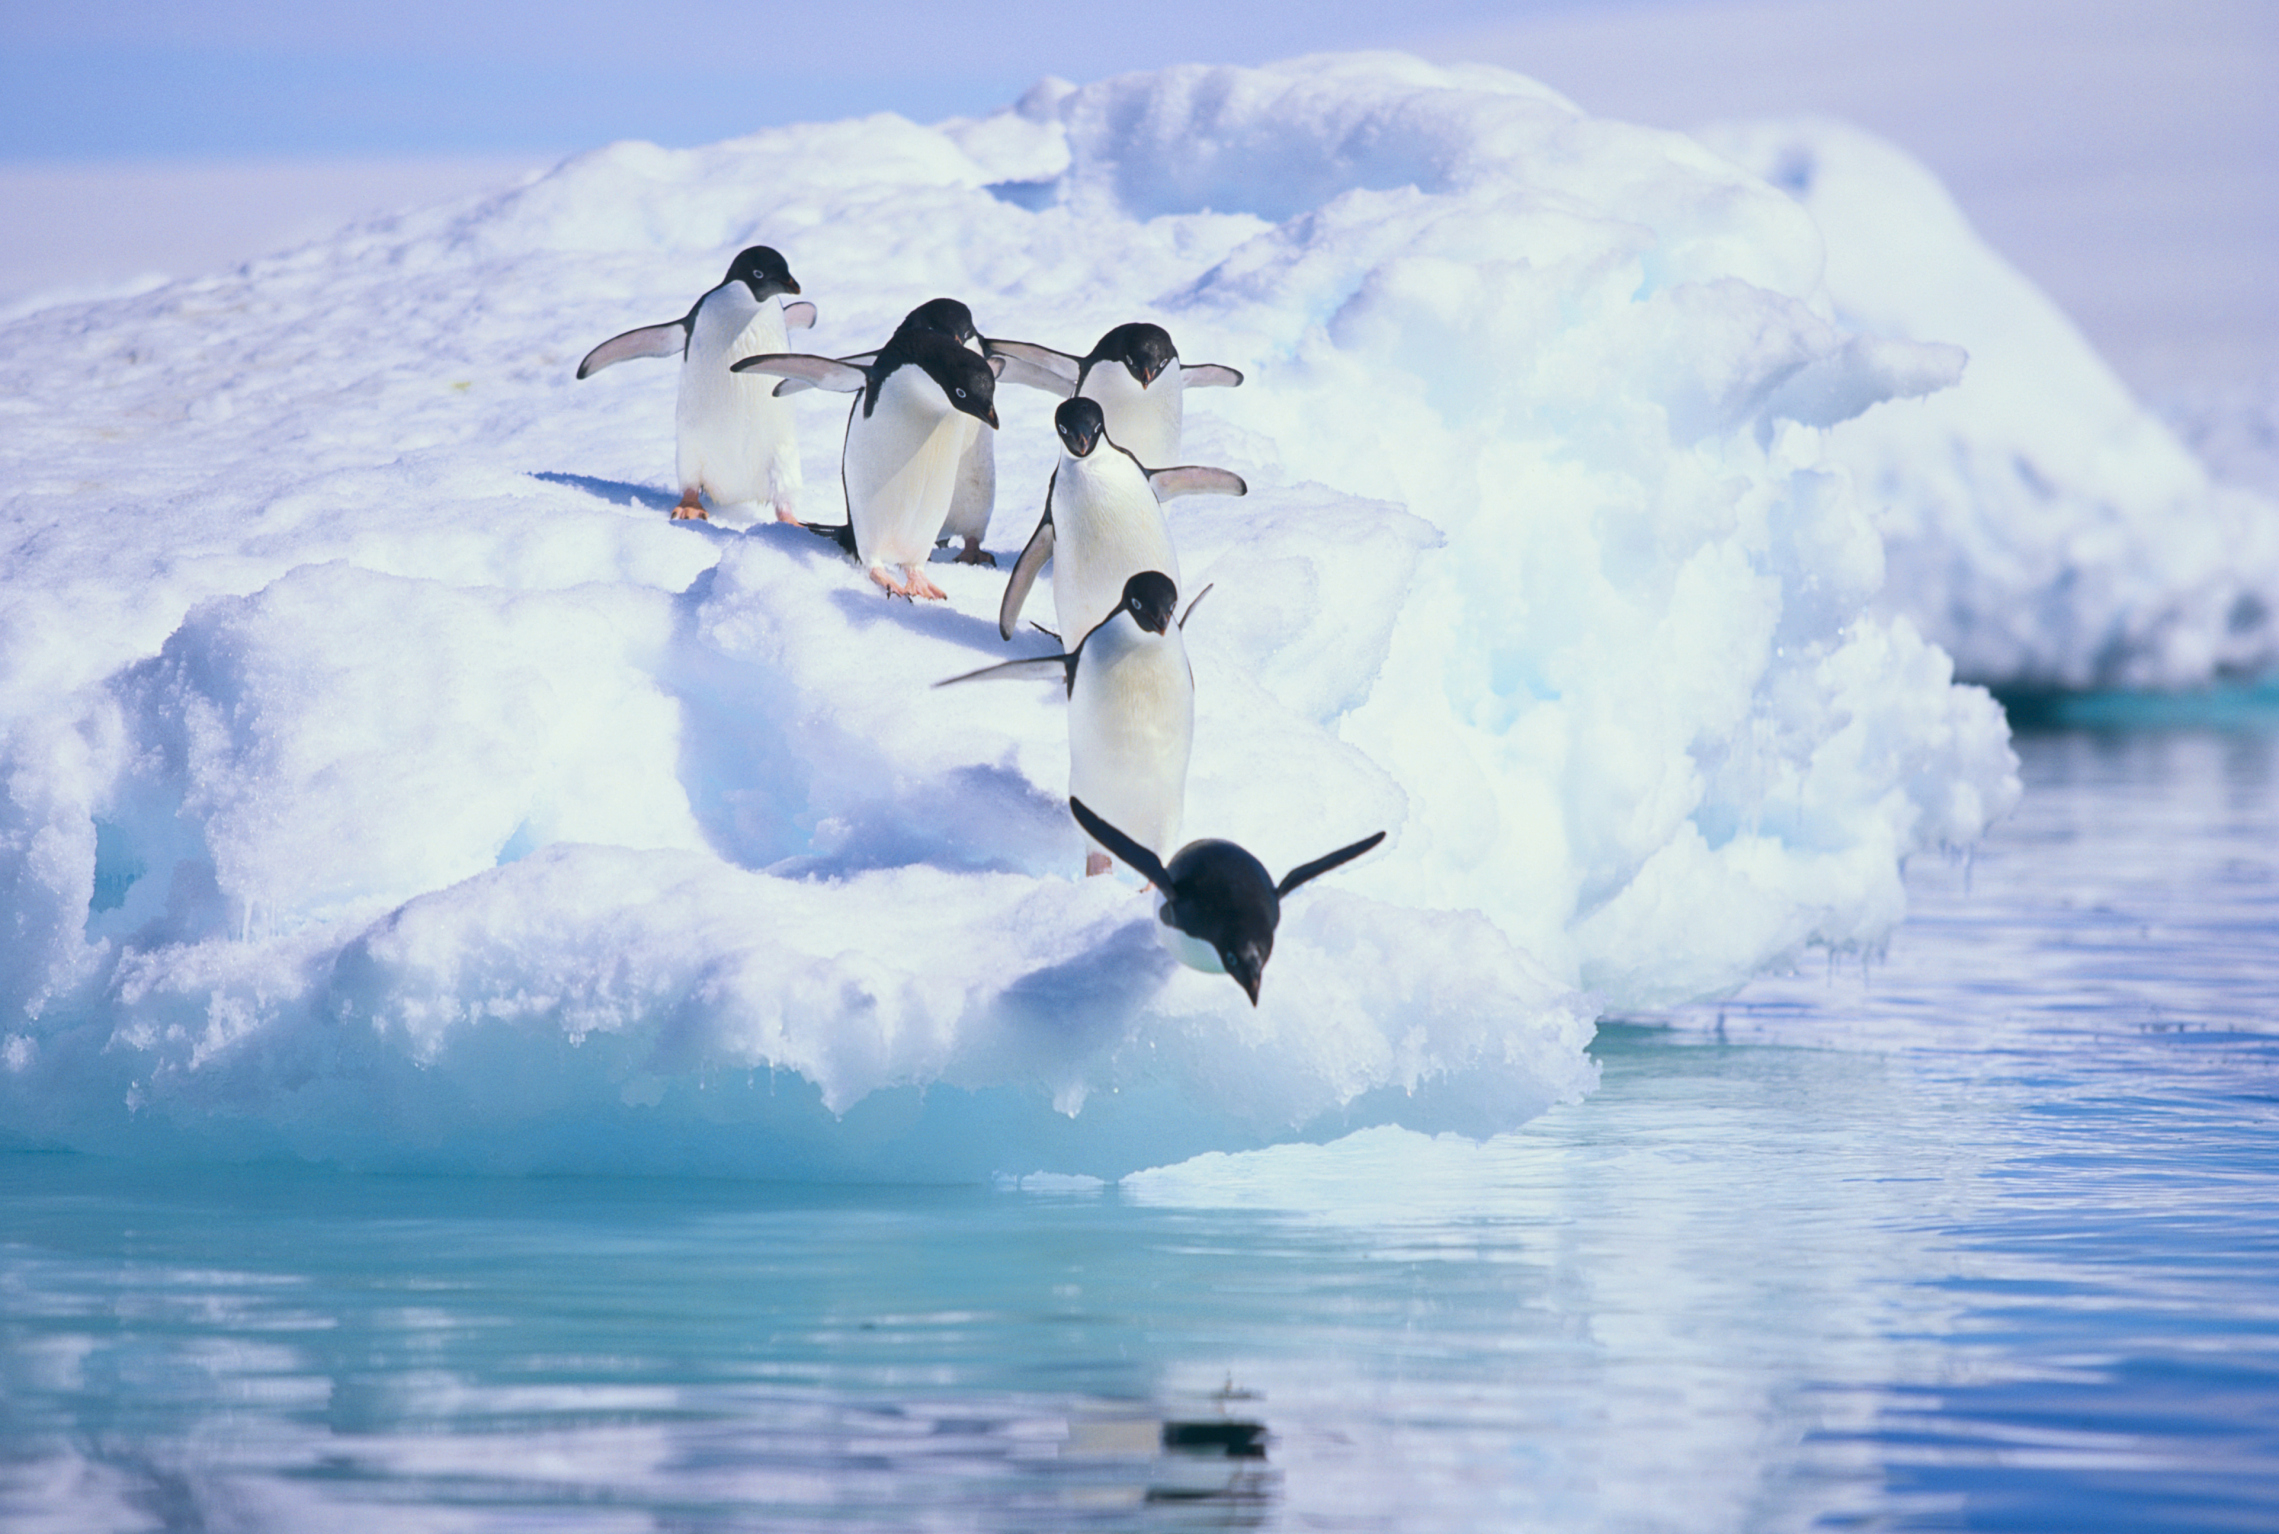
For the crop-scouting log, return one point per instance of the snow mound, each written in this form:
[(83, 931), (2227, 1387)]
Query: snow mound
[(388, 782), (2038, 523)]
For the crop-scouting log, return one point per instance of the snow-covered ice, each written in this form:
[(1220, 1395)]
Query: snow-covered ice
[(2042, 526), (388, 781)]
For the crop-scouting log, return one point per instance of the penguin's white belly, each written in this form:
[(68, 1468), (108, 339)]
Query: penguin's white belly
[(736, 438), (1107, 528), (976, 494), (901, 468), (1131, 728), (1190, 951), (1143, 422)]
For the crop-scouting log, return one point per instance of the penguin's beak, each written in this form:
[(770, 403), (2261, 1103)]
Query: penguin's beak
[(1249, 970), (991, 418), (790, 283), (1079, 443)]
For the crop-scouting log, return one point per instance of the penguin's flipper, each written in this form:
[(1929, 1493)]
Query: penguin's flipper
[(801, 385), (1323, 865), (1198, 602), (667, 340), (1194, 479), (1208, 375), (1036, 367), (1146, 862), (799, 316), (1024, 576), (1028, 374), (1058, 668), (822, 372)]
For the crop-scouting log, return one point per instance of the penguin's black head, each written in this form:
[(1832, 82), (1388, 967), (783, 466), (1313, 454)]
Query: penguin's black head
[(1247, 963), (763, 271), (1080, 424), (968, 379), (1219, 894), (1151, 599), (944, 317), (1145, 350)]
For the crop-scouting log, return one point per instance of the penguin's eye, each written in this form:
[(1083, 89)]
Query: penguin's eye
[(961, 394)]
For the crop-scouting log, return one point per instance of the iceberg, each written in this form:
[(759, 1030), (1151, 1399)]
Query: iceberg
[(2039, 524), (385, 781)]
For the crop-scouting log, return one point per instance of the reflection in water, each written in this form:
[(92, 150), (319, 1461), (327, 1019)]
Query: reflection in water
[(1984, 1234)]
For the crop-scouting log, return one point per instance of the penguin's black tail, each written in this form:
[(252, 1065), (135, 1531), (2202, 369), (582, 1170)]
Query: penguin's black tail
[(842, 534)]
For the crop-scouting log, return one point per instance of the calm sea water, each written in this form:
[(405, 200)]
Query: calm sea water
[(1982, 1235)]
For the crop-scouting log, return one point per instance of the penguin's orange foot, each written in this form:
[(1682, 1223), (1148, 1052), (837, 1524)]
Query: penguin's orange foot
[(785, 513), (691, 508), (893, 587), (1097, 863), (922, 587), (974, 554)]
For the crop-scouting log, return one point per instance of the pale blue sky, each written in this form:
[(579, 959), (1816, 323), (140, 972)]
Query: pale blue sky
[(130, 78), (2124, 152)]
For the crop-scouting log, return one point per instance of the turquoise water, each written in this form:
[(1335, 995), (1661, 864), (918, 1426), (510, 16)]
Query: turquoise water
[(1982, 1235)]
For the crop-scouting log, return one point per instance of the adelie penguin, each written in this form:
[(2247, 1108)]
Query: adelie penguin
[(1102, 522), (905, 436), (976, 494), (1136, 376), (1131, 712), (1220, 907), (736, 442)]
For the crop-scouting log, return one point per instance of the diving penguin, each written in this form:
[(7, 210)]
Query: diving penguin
[(735, 443), (905, 437), (1136, 375), (1219, 904), (1131, 712), (1102, 522)]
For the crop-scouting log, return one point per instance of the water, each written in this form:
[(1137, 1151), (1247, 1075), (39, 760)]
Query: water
[(1984, 1235)]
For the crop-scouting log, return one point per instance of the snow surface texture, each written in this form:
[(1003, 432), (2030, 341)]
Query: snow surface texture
[(389, 782), (2038, 523)]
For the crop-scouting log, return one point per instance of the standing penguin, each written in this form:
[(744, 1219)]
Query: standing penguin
[(1103, 522), (1131, 712), (905, 438), (976, 494), (1136, 375), (1220, 906), (735, 442)]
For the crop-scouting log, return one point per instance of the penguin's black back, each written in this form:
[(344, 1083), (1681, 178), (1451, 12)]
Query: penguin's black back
[(1221, 894), (942, 317)]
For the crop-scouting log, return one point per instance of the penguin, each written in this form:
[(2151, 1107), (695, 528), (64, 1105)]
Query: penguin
[(976, 495), (1218, 904), (735, 443), (1131, 713), (905, 436), (1136, 375), (1102, 521)]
